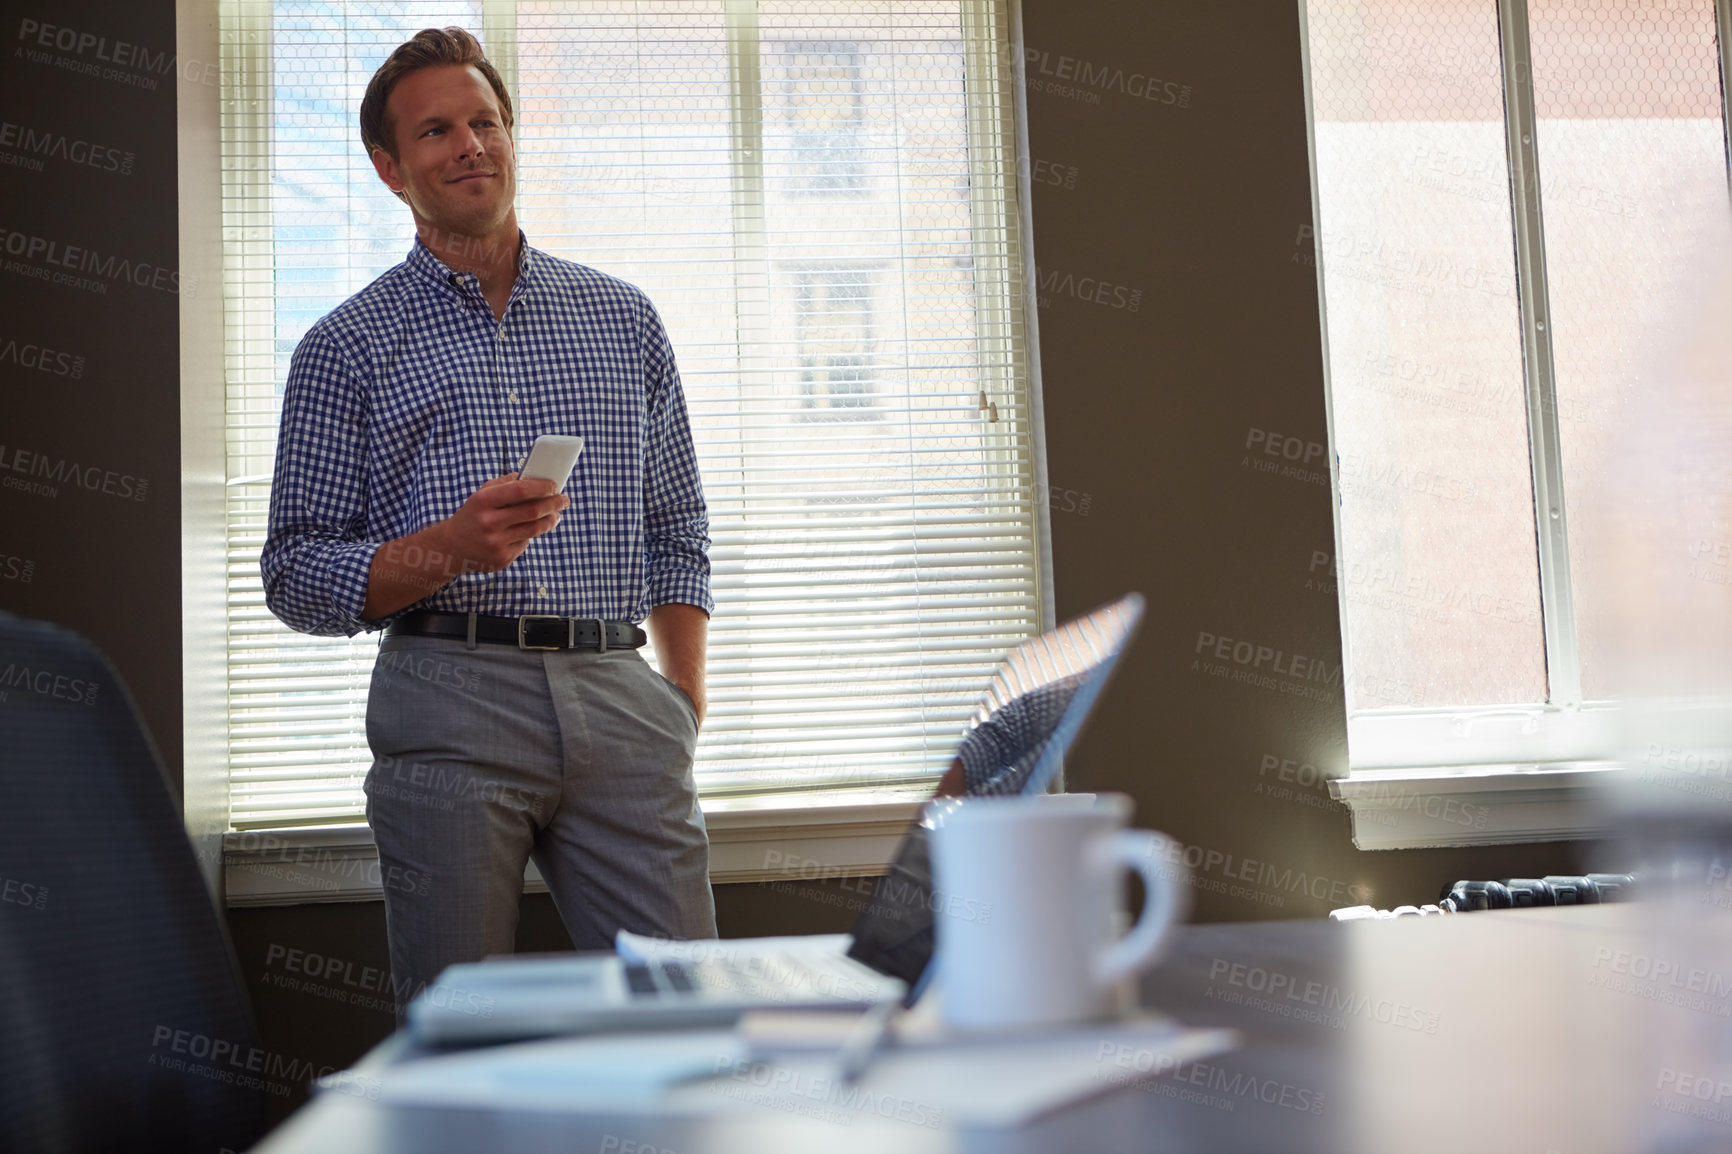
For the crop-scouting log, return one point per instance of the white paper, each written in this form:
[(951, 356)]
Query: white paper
[(588, 1075), (992, 1083), (995, 1083)]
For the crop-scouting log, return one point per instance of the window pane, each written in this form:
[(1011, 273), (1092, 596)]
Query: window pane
[(1438, 555), (1627, 102)]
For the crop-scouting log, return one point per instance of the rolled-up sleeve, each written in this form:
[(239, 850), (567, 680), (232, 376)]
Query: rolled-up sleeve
[(676, 520), (315, 561)]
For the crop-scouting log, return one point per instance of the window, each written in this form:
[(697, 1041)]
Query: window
[(817, 119), (833, 311), (1502, 189), (821, 200)]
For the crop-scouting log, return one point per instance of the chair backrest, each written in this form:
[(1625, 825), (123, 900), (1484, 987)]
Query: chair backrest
[(125, 1022)]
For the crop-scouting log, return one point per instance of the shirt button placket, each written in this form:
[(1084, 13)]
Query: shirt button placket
[(502, 374)]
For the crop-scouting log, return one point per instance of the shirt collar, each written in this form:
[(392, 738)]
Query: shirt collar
[(422, 260)]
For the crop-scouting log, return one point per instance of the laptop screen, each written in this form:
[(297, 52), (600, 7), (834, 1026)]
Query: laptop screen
[(1031, 712)]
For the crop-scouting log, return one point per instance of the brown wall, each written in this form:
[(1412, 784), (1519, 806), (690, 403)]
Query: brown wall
[(89, 340)]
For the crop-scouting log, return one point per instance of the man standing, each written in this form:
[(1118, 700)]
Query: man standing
[(510, 714)]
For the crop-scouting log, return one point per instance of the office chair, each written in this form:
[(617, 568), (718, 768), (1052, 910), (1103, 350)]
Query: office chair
[(126, 1026)]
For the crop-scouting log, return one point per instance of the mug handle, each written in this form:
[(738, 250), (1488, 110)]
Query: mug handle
[(1163, 902)]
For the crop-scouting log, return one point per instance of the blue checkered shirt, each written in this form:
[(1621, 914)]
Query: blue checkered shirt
[(407, 397)]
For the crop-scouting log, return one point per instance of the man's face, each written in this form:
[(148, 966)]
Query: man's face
[(454, 157)]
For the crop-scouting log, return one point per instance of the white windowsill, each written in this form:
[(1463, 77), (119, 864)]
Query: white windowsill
[(751, 840), (1426, 808)]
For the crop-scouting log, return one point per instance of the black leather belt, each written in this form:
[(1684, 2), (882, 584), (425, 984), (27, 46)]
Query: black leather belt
[(531, 631)]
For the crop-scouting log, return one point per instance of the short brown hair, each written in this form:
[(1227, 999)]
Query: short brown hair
[(429, 48)]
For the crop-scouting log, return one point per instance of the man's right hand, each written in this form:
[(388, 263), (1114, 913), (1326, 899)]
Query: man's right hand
[(491, 530), (498, 521)]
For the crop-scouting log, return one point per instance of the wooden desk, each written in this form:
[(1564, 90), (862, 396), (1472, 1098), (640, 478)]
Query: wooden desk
[(1523, 1030)]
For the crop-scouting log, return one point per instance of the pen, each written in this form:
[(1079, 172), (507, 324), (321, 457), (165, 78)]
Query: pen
[(866, 1040)]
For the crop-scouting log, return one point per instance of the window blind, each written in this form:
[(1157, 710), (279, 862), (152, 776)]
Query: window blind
[(821, 200)]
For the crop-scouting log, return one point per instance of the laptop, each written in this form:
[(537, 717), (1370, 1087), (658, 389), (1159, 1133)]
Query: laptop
[(1030, 713)]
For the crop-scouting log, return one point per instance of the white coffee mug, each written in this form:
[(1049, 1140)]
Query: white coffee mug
[(1025, 904)]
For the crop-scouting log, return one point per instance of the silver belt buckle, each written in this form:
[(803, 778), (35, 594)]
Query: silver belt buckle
[(527, 617)]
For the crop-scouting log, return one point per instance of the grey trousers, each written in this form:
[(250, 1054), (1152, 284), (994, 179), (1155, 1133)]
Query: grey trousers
[(485, 758)]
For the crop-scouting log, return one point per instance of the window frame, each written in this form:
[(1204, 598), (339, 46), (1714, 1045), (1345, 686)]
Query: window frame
[(799, 835), (1531, 768)]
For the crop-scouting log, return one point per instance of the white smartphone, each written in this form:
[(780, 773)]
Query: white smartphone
[(552, 459)]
